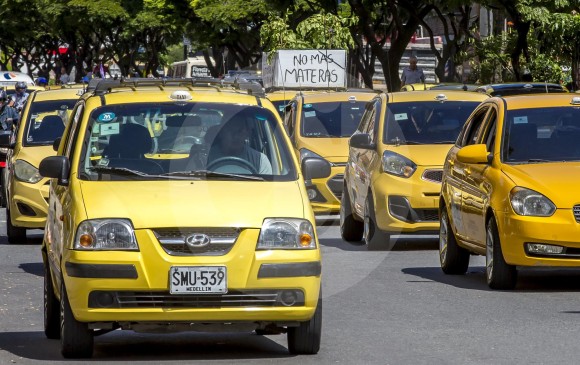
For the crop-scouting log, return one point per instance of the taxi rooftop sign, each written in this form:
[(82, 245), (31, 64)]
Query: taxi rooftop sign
[(305, 69)]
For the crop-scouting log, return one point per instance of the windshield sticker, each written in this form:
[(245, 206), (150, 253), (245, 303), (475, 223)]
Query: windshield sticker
[(109, 129), (308, 105), (281, 107), (310, 114), (520, 120), (401, 116), (106, 117)]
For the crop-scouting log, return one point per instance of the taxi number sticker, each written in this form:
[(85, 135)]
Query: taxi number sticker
[(198, 280), (310, 114), (108, 129), (401, 116), (520, 120)]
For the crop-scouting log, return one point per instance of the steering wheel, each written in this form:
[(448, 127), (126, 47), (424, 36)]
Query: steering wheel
[(232, 160)]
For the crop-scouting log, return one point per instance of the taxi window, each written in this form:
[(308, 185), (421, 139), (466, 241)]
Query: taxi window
[(541, 135), (190, 141), (331, 119), (46, 121), (425, 122)]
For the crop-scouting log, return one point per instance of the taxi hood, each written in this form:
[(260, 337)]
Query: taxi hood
[(186, 203), (558, 181), (333, 149), (423, 155)]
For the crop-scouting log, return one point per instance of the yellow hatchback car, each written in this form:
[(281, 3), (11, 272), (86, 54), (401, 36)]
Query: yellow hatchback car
[(320, 125), (203, 224), (23, 189), (393, 177), (510, 188)]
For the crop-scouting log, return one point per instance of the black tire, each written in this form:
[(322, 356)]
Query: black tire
[(305, 339), (453, 258), (2, 189), (15, 234), (51, 308), (76, 339), (375, 239), (351, 230), (499, 274)]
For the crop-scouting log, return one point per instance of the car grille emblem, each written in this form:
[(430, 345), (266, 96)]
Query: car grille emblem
[(197, 240)]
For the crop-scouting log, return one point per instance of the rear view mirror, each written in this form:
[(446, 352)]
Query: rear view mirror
[(56, 167), (362, 140), (315, 168), (475, 153)]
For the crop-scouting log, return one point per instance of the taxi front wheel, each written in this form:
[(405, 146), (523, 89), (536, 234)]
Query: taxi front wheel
[(305, 339), (351, 230), (51, 308), (453, 258), (15, 234), (375, 239), (499, 274), (76, 339)]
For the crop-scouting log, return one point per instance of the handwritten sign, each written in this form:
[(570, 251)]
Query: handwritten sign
[(197, 71), (305, 69)]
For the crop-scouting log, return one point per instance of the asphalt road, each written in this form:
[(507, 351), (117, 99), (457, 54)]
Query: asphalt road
[(392, 307)]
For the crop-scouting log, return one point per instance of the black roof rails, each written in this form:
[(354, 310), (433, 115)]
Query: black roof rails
[(101, 86)]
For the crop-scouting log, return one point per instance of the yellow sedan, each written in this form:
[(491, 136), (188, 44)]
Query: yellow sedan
[(510, 188)]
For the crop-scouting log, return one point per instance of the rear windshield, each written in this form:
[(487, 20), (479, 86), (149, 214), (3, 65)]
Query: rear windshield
[(542, 135), (331, 120), (46, 121), (188, 141), (426, 122)]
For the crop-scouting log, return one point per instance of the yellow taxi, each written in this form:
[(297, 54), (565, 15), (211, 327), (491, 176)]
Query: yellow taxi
[(204, 226), (23, 189), (393, 176), (319, 125), (509, 188), (280, 99)]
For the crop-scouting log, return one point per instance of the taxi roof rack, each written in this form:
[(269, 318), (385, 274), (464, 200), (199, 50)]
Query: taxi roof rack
[(102, 86)]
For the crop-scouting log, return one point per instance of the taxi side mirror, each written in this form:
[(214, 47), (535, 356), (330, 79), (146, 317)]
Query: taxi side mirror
[(56, 143), (56, 167), (362, 140), (315, 168), (475, 153)]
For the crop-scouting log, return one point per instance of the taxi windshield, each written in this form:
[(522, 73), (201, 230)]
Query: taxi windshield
[(541, 135), (332, 119), (185, 141), (426, 122), (46, 121)]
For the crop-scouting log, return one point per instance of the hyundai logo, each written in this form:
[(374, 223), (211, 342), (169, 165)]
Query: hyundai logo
[(197, 240)]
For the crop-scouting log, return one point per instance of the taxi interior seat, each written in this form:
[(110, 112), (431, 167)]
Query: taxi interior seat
[(522, 139), (51, 127)]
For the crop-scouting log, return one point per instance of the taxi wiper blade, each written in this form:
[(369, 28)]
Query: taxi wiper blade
[(444, 142), (532, 160), (209, 173), (119, 170), (411, 142)]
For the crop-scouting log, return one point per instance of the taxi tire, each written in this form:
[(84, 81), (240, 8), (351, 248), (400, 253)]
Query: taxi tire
[(305, 339), (351, 230), (456, 259), (76, 339), (15, 234), (375, 239), (51, 308), (502, 275)]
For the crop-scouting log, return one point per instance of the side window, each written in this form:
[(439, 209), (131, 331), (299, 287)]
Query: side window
[(73, 130), (289, 118), (374, 120), (488, 135), (364, 121), (473, 127)]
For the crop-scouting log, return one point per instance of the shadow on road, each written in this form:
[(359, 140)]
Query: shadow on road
[(131, 346), (31, 239), (399, 243), (529, 280), (34, 268)]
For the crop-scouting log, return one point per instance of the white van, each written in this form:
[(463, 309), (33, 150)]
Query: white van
[(10, 78)]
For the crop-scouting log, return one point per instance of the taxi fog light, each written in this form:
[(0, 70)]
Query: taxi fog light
[(286, 233), (311, 194), (106, 234), (541, 248), (531, 203), (24, 171), (395, 164)]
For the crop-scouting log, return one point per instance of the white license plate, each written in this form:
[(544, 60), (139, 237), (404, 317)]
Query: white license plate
[(198, 280)]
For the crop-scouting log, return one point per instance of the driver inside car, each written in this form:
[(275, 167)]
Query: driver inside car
[(231, 153)]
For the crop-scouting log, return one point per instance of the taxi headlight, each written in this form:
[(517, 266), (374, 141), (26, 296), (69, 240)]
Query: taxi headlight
[(398, 165), (529, 202), (286, 233), (106, 234), (24, 171)]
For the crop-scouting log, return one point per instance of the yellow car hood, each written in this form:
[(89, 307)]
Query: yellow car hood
[(558, 180), (334, 149), (33, 155), (424, 155), (181, 203)]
